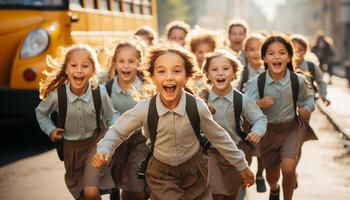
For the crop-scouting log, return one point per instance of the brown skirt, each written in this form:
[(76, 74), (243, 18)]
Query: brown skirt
[(224, 179), (79, 171), (188, 181), (283, 141), (125, 163)]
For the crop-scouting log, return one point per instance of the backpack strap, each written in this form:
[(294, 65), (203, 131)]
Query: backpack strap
[(109, 85), (245, 77), (193, 116), (96, 96), (295, 90), (261, 84), (152, 120), (62, 105), (311, 68)]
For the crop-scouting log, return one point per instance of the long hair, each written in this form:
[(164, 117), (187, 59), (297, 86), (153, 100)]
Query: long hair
[(56, 75), (285, 41), (249, 39)]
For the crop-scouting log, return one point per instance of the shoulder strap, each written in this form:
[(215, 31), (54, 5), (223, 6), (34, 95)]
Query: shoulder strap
[(109, 85), (237, 106), (152, 120), (96, 96), (261, 84), (311, 67), (62, 105), (244, 77), (295, 89)]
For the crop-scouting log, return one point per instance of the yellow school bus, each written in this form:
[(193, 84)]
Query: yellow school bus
[(32, 29)]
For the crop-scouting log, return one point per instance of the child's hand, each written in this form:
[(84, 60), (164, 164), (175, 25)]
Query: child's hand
[(253, 137), (304, 113), (247, 176), (326, 101), (100, 159), (56, 134), (265, 102)]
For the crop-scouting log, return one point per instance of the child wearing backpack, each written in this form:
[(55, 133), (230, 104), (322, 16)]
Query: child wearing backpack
[(316, 76), (172, 121), (176, 31), (221, 68), (126, 76), (287, 101), (81, 103)]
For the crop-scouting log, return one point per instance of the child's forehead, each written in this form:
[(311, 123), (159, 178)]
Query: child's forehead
[(220, 59), (276, 45)]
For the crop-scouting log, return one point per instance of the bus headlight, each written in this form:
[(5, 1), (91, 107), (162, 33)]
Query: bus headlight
[(35, 43)]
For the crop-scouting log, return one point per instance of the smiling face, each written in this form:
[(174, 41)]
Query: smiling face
[(300, 52), (236, 36), (253, 53), (177, 35), (220, 73), (169, 76), (126, 63), (79, 70), (200, 52), (277, 58)]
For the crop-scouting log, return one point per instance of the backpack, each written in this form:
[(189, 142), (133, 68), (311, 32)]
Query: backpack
[(295, 88), (108, 86), (62, 111), (245, 77)]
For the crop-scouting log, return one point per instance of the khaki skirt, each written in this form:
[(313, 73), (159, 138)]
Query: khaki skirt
[(79, 171), (224, 179), (125, 163), (284, 141), (188, 181)]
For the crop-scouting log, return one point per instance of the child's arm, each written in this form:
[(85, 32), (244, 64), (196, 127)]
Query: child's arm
[(252, 91), (255, 116), (322, 85), (121, 130), (306, 103), (109, 114), (43, 113)]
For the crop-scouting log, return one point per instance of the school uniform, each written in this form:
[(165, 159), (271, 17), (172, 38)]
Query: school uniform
[(177, 169), (132, 151), (318, 77), (224, 178), (285, 134), (251, 74), (80, 137)]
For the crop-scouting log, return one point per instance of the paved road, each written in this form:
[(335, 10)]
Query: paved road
[(323, 172)]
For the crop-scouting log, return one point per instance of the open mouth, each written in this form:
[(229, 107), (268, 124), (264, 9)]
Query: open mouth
[(277, 64), (126, 73), (169, 88), (78, 80), (221, 80)]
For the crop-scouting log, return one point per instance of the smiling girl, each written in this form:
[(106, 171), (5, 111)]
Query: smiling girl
[(221, 68), (273, 91), (177, 169), (81, 129)]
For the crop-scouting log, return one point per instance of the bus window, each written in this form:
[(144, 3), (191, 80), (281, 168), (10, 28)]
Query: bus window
[(75, 4), (147, 9), (127, 6), (116, 5), (90, 4), (137, 7), (32, 4), (104, 5)]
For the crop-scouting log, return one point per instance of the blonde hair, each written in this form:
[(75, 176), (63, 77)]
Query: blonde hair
[(199, 36), (136, 45), (56, 75), (251, 38), (177, 25), (235, 63)]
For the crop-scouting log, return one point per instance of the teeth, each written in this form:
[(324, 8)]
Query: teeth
[(168, 88)]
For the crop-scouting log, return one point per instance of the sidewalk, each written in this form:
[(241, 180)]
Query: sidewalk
[(339, 110)]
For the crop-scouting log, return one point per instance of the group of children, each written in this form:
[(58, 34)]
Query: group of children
[(198, 109)]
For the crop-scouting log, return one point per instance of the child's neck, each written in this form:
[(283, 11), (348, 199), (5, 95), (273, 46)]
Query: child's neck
[(171, 105), (236, 48), (255, 66), (79, 92), (222, 92), (278, 76), (125, 85)]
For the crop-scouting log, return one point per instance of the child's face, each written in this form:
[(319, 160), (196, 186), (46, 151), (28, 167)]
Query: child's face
[(178, 35), (237, 36), (126, 63), (169, 77), (277, 58), (79, 70), (220, 73), (253, 52), (200, 52), (299, 52)]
